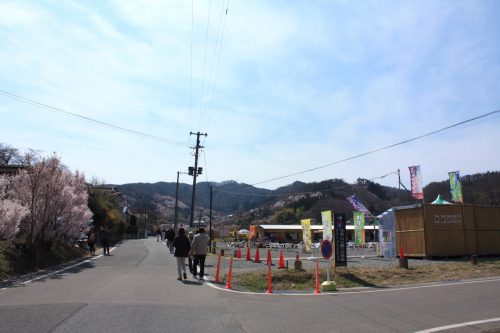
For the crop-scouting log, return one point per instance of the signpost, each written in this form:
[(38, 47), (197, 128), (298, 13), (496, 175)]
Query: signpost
[(340, 240), (326, 252)]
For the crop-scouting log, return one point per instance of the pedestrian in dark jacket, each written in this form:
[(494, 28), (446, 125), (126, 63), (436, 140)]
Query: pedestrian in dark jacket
[(105, 240), (170, 238), (182, 247), (91, 240)]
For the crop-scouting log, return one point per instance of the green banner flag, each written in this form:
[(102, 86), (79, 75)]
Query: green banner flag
[(359, 227), (455, 187)]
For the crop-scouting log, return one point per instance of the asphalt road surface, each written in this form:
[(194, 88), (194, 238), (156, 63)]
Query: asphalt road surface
[(135, 290)]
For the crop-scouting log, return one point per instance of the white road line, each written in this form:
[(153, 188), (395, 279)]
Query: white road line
[(341, 293), (449, 327), (59, 271)]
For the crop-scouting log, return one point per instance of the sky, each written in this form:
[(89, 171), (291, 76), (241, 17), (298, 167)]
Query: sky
[(280, 87)]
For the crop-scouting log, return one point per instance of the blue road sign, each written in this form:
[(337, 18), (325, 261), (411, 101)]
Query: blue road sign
[(326, 249)]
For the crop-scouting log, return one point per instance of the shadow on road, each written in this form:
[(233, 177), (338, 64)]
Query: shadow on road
[(192, 282), (57, 272)]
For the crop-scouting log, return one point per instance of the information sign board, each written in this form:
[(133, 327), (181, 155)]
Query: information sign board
[(340, 240)]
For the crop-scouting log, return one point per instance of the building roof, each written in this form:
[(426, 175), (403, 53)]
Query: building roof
[(297, 227)]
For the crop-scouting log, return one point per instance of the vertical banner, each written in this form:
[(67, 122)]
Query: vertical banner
[(359, 227), (340, 240), (417, 190), (306, 233), (455, 187), (326, 218), (253, 232)]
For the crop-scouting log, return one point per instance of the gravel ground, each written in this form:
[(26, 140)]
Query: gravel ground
[(355, 258)]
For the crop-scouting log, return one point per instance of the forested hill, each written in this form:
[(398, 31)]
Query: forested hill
[(306, 199), (479, 189)]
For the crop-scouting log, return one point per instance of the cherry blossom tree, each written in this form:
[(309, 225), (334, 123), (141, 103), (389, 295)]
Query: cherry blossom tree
[(11, 211), (57, 202)]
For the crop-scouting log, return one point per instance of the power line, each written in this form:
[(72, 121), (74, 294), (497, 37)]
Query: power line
[(300, 193), (205, 62), (373, 151), (67, 113), (379, 149), (209, 101)]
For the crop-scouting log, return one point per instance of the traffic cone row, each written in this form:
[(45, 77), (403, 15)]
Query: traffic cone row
[(269, 280), (230, 274), (257, 256), (317, 289), (269, 289), (249, 256), (282, 260)]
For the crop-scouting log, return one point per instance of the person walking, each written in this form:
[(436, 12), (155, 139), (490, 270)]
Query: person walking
[(170, 238), (199, 249), (91, 240), (105, 240), (182, 247), (158, 234)]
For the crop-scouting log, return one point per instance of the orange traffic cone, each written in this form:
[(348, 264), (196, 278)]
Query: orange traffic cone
[(257, 256), (269, 280), (249, 257), (269, 259), (230, 274), (282, 260), (239, 253), (316, 289)]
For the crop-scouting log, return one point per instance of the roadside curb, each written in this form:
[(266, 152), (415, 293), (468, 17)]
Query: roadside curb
[(41, 274)]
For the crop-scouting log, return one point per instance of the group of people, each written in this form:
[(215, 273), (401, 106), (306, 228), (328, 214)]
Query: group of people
[(104, 237), (186, 248), (182, 246)]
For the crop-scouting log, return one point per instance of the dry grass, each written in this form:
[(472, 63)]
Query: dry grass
[(14, 261), (369, 276)]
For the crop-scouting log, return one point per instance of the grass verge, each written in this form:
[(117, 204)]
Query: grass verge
[(350, 277)]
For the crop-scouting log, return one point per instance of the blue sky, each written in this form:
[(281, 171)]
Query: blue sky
[(279, 86)]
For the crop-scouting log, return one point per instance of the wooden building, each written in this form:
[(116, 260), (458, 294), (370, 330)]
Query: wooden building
[(447, 230)]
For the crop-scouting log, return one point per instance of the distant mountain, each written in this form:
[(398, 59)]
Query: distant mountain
[(288, 204)]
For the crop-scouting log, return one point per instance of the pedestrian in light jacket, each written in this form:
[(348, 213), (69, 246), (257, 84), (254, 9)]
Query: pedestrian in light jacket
[(199, 250)]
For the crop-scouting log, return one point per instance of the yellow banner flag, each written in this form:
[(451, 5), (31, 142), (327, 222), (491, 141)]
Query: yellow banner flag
[(326, 218), (306, 234)]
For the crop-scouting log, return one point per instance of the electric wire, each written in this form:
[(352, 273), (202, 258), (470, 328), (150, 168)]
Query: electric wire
[(216, 55), (89, 119), (204, 65), (301, 193), (379, 149)]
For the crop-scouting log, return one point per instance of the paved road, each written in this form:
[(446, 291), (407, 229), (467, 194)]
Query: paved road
[(135, 290)]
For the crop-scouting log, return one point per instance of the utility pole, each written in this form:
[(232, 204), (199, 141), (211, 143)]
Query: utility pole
[(194, 172), (210, 219), (176, 215)]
